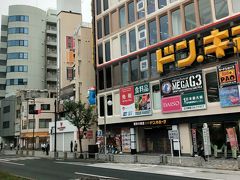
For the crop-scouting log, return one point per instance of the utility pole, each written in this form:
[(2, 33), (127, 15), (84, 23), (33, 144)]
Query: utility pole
[(55, 129)]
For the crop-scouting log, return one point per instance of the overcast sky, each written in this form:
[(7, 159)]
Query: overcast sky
[(45, 4)]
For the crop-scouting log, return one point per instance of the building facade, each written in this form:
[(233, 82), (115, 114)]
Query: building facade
[(168, 65)]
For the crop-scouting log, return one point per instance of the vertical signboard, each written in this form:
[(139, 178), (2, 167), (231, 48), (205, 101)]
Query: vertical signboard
[(232, 138), (194, 139), (206, 140), (127, 101)]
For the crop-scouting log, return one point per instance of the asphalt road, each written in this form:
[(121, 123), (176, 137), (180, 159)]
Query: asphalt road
[(49, 169)]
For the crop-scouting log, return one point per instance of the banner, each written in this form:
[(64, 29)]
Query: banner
[(194, 139), (127, 101), (229, 96), (227, 74), (126, 141), (182, 84), (193, 101), (232, 138)]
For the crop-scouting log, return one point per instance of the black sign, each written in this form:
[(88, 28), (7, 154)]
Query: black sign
[(181, 84)]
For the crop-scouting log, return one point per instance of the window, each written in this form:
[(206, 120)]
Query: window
[(109, 77), (107, 51), (100, 54), (101, 106), (31, 124), (122, 17), (236, 6), (3, 38), (18, 18), (17, 55), (10, 82), (141, 36), (17, 68), (132, 40), (100, 80), (2, 86), (144, 67), (205, 11), (150, 6), (45, 106), (6, 124), (18, 114), (212, 87), (44, 123), (114, 21), (18, 43), (156, 97), (109, 107), (98, 7), (31, 108), (140, 9), (131, 12), (106, 25), (70, 74), (99, 29), (105, 5), (153, 61), (164, 27), (4, 27), (18, 30), (123, 41), (3, 62), (190, 20), (221, 8), (152, 28), (6, 109), (125, 73), (3, 50), (162, 3), (134, 70), (176, 23), (116, 77)]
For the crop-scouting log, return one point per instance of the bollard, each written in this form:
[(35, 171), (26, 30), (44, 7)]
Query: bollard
[(135, 158), (33, 153), (161, 159), (27, 153)]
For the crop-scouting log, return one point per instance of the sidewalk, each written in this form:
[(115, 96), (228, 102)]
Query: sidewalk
[(213, 163)]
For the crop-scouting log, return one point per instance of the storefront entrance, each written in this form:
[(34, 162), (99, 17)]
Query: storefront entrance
[(156, 139)]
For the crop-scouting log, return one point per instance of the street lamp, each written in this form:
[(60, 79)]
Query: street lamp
[(109, 103)]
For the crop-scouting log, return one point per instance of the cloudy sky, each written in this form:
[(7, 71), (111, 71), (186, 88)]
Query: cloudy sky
[(44, 4)]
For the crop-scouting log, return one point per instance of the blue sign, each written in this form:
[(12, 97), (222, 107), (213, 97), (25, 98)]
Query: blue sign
[(92, 96), (229, 96)]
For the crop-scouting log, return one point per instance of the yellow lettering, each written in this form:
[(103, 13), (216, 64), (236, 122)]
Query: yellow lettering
[(236, 40)]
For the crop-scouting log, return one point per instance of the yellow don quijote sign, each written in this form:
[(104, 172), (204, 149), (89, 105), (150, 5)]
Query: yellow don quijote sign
[(215, 44)]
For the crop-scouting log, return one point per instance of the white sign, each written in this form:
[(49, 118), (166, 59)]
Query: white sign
[(206, 141), (173, 134)]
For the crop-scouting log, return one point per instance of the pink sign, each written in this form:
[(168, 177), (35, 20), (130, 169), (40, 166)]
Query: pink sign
[(171, 104)]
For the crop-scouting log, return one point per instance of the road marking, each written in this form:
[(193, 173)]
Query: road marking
[(92, 175), (74, 163), (7, 162), (4, 160)]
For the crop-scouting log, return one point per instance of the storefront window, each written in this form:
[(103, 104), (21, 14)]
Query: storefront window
[(144, 67), (132, 40), (205, 11), (212, 87), (123, 41), (122, 17), (108, 77), (100, 80), (142, 37), (176, 23), (131, 12), (236, 6), (156, 97), (125, 73), (150, 6), (164, 27), (134, 70), (152, 29), (153, 62), (116, 77), (190, 20), (221, 8)]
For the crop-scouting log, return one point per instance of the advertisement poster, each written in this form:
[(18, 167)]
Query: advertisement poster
[(171, 104), (126, 141), (127, 101), (229, 96), (142, 100), (194, 139), (227, 74), (232, 138), (193, 101), (182, 84)]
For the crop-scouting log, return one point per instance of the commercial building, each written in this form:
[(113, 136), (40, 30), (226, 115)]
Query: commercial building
[(29, 58), (168, 65)]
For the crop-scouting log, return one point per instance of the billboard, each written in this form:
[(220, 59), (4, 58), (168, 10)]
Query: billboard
[(229, 96), (193, 101), (171, 104), (227, 74)]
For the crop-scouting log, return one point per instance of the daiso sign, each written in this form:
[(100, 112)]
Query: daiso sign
[(171, 104)]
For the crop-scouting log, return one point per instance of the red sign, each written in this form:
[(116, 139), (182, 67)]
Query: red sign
[(127, 95), (171, 104), (232, 138)]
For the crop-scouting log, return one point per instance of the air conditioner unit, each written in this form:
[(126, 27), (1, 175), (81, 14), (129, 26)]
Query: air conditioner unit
[(140, 6), (142, 34)]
